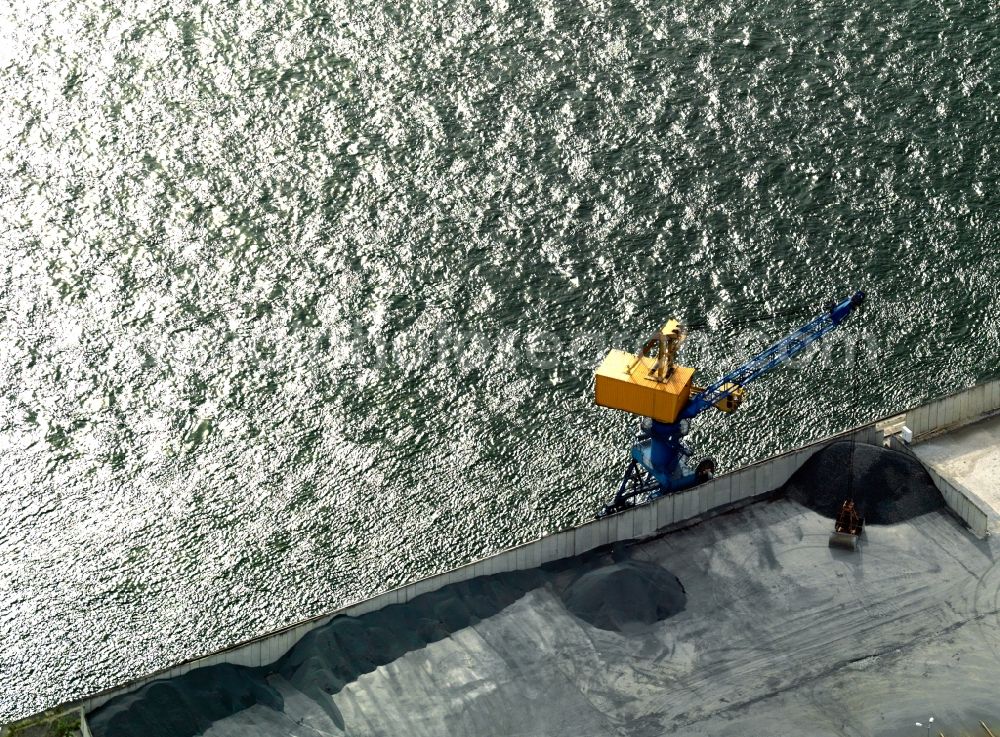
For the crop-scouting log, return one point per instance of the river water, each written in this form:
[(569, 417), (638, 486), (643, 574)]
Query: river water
[(302, 300)]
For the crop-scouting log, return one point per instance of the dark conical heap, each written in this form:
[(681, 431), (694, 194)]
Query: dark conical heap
[(625, 594), (888, 486)]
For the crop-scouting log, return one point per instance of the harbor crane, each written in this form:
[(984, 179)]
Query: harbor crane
[(651, 385)]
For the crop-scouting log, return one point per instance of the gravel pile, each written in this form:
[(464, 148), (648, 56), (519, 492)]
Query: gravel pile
[(887, 486)]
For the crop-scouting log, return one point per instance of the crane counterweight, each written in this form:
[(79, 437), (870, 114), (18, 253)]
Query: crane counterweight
[(623, 381)]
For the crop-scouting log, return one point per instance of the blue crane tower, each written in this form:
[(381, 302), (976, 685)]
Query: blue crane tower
[(650, 384)]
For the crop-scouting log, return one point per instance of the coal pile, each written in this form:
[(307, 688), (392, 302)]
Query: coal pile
[(318, 665), (887, 486), (187, 705), (625, 594), (326, 659)]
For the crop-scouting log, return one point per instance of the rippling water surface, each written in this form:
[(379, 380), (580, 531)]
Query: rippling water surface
[(301, 300)]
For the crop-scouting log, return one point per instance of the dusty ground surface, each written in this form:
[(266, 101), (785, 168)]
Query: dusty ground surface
[(970, 458), (779, 635)]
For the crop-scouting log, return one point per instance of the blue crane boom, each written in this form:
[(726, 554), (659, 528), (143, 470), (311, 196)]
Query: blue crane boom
[(658, 458), (771, 358)]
